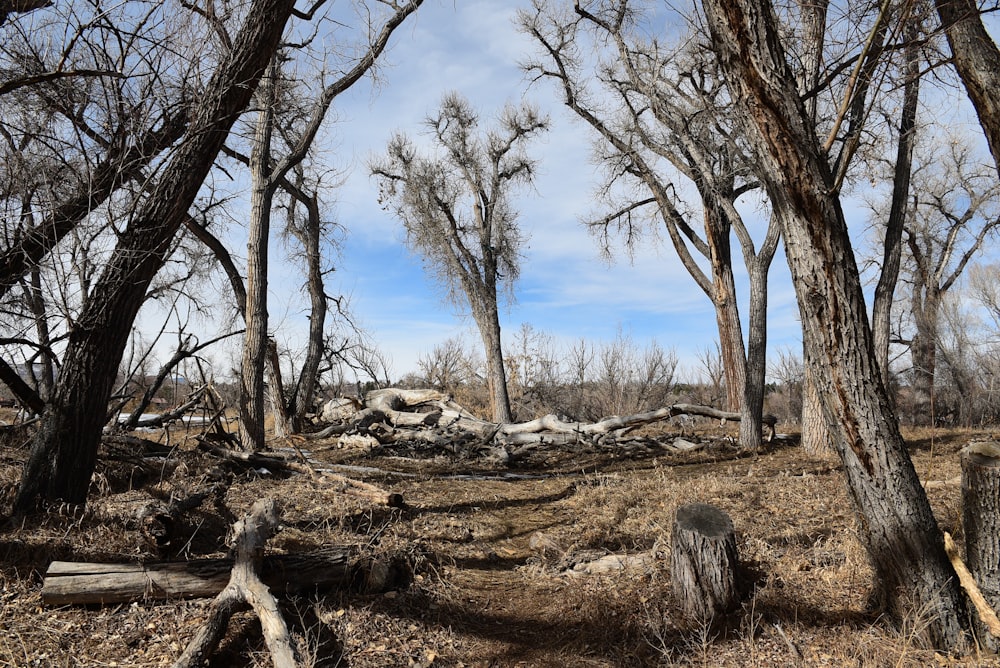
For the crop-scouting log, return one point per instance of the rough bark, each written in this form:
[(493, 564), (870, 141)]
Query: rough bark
[(898, 528), (64, 450), (977, 61), (704, 563), (815, 432), (981, 523)]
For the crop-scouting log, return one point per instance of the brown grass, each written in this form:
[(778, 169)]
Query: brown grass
[(490, 586)]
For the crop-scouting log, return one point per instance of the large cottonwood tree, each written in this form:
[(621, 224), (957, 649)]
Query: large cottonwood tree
[(459, 215), (898, 528)]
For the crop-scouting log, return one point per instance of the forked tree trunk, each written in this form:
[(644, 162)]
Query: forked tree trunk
[(898, 528), (64, 450)]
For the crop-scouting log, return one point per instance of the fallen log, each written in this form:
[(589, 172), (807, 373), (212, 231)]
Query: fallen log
[(81, 583), (393, 414)]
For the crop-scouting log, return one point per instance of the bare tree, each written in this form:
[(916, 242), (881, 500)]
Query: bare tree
[(898, 529), (299, 124), (662, 119), (64, 450), (954, 211), (458, 212)]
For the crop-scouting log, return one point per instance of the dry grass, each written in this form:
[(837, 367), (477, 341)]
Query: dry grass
[(489, 558)]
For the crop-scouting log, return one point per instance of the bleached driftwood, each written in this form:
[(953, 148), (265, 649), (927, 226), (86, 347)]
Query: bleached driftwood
[(430, 416)]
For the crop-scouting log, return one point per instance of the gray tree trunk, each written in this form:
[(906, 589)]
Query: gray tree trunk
[(892, 246), (489, 330), (898, 528), (255, 358)]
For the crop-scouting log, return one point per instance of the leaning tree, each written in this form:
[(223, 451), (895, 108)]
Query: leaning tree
[(898, 528), (64, 450), (457, 210)]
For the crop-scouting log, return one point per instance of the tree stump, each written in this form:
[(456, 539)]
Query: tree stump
[(704, 565), (981, 521)]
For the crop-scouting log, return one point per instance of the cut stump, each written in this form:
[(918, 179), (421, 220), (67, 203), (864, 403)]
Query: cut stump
[(704, 564), (981, 522)]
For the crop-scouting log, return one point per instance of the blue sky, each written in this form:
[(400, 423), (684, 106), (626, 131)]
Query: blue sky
[(567, 290)]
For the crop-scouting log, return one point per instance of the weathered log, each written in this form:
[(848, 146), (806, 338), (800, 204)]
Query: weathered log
[(987, 616), (77, 583), (395, 399), (392, 406), (704, 564), (981, 522)]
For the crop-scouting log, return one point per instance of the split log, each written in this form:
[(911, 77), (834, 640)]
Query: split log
[(704, 564), (981, 522), (335, 567), (245, 587)]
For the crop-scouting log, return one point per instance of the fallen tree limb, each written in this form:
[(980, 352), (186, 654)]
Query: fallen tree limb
[(341, 483), (245, 587), (986, 614)]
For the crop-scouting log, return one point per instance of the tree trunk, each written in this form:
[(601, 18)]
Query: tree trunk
[(752, 407), (704, 563), (727, 314), (815, 437), (893, 243), (489, 329), (977, 60), (898, 528), (64, 450), (923, 351), (305, 387), (255, 357), (981, 522)]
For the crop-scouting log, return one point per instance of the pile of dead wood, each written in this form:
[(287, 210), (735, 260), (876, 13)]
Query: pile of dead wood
[(392, 415)]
